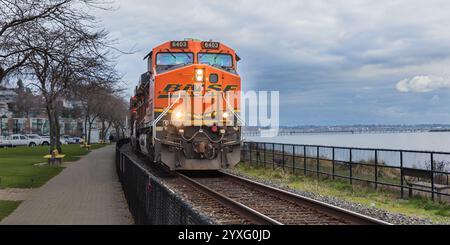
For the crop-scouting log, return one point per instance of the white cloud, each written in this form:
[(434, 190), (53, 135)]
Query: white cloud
[(317, 53), (423, 84)]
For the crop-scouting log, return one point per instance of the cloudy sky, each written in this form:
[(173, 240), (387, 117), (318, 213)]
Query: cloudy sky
[(334, 62)]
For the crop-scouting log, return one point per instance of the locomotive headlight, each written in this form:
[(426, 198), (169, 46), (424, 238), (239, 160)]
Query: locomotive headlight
[(178, 115), (199, 75), (225, 115), (199, 72)]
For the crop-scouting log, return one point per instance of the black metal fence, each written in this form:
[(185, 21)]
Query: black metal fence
[(151, 202), (414, 172)]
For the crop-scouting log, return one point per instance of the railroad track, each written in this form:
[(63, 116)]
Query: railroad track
[(265, 205)]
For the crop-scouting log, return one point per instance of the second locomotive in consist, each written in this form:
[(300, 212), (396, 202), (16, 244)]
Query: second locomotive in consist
[(185, 111)]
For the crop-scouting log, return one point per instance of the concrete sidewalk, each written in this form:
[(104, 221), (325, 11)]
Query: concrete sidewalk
[(87, 192)]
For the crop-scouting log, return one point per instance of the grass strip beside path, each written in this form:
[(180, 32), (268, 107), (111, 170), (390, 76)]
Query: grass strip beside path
[(7, 207), (17, 168)]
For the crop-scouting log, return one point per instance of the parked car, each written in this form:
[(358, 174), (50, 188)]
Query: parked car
[(63, 141), (36, 140), (75, 140), (20, 140), (66, 138), (47, 140), (5, 142)]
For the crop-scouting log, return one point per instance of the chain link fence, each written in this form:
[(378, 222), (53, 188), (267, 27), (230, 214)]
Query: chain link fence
[(411, 173), (149, 200)]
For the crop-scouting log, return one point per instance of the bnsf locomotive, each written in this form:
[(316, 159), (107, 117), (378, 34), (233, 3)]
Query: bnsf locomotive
[(185, 112)]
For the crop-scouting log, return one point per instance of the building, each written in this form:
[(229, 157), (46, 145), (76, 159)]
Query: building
[(38, 123), (40, 126), (7, 98)]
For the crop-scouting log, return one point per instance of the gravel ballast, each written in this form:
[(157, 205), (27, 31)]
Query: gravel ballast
[(393, 218)]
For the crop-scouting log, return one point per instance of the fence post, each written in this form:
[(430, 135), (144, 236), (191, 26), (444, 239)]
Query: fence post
[(401, 173), (333, 162), (250, 150), (376, 169), (432, 176), (351, 169), (318, 163), (273, 156), (304, 159), (265, 155), (282, 150), (293, 159), (257, 154)]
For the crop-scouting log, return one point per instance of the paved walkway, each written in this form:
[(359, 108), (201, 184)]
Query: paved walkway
[(87, 192)]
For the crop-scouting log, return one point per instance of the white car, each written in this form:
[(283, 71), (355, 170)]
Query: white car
[(5, 142), (74, 140), (36, 140), (46, 140), (20, 140)]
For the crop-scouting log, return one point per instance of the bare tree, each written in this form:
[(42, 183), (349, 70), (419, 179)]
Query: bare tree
[(119, 117), (16, 17), (115, 116), (57, 45), (65, 55), (95, 101), (26, 102)]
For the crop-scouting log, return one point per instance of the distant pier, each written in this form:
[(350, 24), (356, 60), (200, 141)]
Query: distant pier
[(300, 132)]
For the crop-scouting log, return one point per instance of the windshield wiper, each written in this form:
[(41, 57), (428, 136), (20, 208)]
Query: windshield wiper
[(221, 66), (168, 51), (226, 68)]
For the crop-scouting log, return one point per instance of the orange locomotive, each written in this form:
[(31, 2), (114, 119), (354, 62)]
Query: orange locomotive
[(185, 111)]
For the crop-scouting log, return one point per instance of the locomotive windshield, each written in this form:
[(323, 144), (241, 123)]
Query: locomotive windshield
[(169, 60), (220, 60)]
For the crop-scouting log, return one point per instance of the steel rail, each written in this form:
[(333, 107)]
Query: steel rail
[(252, 215), (352, 217)]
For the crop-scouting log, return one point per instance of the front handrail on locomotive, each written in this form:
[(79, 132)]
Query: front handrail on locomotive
[(155, 122), (238, 117)]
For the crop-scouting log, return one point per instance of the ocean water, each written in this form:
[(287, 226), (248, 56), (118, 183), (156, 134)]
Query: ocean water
[(437, 142), (404, 141)]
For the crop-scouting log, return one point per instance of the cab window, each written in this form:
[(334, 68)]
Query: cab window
[(169, 60), (222, 60)]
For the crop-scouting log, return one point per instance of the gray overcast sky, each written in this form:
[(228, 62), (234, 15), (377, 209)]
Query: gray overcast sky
[(334, 62)]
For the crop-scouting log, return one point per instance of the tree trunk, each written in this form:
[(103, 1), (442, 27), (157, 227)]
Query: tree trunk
[(85, 127), (89, 133), (107, 130), (103, 132), (90, 128), (117, 132), (57, 132), (49, 108)]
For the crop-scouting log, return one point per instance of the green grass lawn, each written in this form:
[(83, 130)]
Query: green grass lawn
[(384, 199), (7, 207), (17, 168)]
